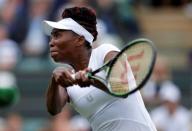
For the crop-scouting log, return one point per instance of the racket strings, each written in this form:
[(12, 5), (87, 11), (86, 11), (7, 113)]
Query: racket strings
[(139, 59), (119, 87)]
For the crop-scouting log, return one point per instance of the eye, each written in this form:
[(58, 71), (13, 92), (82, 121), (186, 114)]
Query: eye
[(55, 35)]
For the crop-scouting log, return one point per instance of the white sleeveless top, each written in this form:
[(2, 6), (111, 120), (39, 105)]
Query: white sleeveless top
[(106, 112)]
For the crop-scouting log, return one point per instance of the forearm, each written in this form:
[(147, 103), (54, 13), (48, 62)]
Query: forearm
[(56, 98)]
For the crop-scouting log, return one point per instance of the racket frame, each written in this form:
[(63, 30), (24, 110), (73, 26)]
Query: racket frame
[(109, 64)]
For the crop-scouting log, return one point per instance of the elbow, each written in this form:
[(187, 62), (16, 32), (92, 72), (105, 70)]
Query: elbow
[(53, 112), (52, 108)]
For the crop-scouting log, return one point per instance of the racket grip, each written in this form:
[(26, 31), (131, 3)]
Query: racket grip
[(89, 74)]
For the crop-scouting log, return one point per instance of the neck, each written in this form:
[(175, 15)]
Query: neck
[(81, 58)]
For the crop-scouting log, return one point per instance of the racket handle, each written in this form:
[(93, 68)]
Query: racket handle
[(89, 75)]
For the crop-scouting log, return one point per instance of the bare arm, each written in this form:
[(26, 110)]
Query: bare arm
[(108, 57), (57, 96)]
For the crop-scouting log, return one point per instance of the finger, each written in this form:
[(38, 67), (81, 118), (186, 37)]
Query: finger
[(88, 69), (83, 76), (73, 76), (65, 82), (81, 79), (80, 76), (68, 75), (77, 75), (72, 71), (56, 77), (66, 79)]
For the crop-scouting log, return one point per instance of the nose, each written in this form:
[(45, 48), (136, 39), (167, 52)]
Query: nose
[(51, 43)]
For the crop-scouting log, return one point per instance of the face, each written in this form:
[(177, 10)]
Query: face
[(62, 45)]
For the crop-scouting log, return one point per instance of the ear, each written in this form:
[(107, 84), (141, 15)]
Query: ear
[(80, 41)]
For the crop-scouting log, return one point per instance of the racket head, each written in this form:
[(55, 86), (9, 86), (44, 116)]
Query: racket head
[(131, 68)]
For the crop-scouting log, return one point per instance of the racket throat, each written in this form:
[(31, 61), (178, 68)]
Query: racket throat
[(100, 83), (104, 67)]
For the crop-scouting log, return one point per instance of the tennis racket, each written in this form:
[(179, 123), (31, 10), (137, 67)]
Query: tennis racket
[(130, 69)]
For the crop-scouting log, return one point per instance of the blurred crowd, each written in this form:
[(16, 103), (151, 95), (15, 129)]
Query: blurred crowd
[(163, 99), (23, 46), (65, 121)]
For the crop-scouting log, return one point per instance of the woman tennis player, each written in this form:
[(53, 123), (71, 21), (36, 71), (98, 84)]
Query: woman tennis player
[(71, 43)]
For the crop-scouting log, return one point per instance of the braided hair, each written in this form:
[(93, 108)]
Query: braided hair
[(86, 17)]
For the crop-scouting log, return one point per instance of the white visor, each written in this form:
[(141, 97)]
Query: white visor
[(68, 24)]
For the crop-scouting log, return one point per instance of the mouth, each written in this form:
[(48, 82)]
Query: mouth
[(53, 53), (53, 50), (54, 56)]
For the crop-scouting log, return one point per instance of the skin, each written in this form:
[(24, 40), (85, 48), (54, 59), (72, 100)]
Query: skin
[(68, 47)]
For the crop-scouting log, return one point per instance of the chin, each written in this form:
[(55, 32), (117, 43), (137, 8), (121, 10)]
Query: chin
[(55, 59)]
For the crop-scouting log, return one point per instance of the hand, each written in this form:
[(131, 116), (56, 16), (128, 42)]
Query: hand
[(82, 79), (63, 76)]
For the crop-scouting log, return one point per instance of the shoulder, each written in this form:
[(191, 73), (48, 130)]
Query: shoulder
[(102, 50), (107, 46), (99, 54)]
